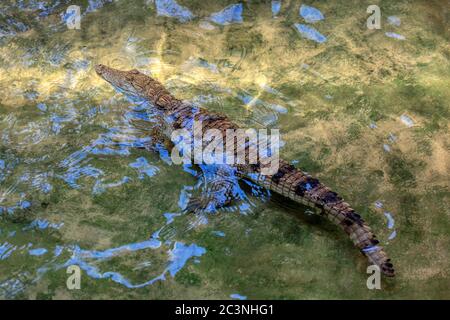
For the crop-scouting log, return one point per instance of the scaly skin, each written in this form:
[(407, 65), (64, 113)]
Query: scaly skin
[(288, 181)]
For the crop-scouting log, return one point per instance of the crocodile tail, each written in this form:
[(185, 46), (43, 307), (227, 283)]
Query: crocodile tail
[(300, 187), (360, 233)]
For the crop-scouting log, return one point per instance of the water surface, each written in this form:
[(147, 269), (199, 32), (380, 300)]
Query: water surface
[(366, 111)]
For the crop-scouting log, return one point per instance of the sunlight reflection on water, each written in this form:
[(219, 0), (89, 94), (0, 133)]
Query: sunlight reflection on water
[(66, 136)]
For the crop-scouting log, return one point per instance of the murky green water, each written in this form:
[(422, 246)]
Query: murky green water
[(366, 111)]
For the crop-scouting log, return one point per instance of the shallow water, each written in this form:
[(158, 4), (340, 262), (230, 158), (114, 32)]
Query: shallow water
[(366, 111)]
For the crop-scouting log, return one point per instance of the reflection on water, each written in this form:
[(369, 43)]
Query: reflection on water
[(237, 296), (85, 178), (177, 257), (170, 8), (310, 14), (231, 14), (276, 7)]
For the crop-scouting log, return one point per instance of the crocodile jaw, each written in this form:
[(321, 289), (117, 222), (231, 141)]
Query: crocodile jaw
[(117, 79)]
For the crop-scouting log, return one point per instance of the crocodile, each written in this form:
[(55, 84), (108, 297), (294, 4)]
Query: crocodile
[(288, 181)]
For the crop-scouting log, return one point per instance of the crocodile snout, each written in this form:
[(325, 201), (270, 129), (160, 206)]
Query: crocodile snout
[(100, 68)]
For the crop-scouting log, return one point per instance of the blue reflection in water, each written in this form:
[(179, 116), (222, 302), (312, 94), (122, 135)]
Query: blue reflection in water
[(188, 168), (94, 254), (270, 90), (43, 7), (6, 249), (170, 8), (88, 260), (205, 64), (392, 235), (390, 220), (310, 33), (68, 16), (58, 250), (101, 187), (22, 204), (231, 14), (40, 182), (310, 14), (219, 233), (180, 254), (59, 115), (13, 286), (12, 25), (144, 168), (390, 225), (252, 101), (395, 35), (263, 113), (378, 204), (237, 296), (213, 175), (163, 153), (170, 217), (96, 4), (117, 141), (110, 151), (276, 7), (185, 195), (37, 252), (178, 257), (74, 173), (43, 224)]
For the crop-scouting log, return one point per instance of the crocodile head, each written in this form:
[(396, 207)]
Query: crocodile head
[(130, 82)]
